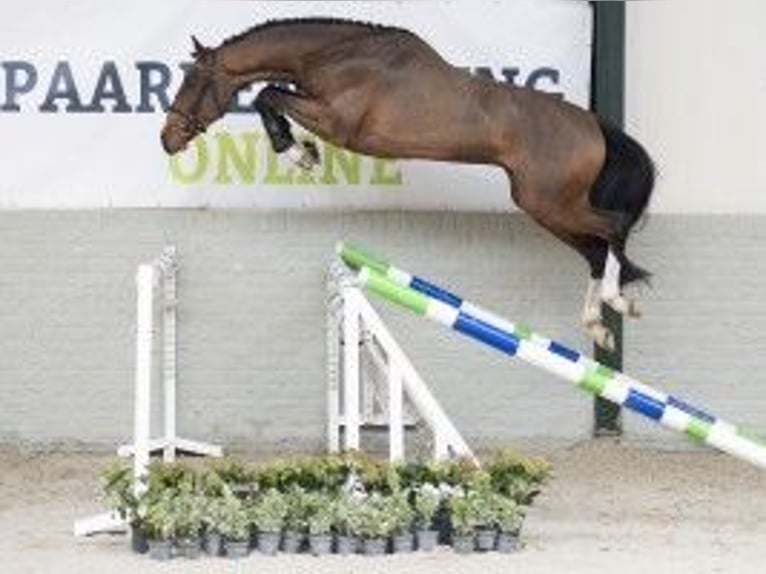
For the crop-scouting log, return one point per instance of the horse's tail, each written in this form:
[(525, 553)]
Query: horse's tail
[(624, 186)]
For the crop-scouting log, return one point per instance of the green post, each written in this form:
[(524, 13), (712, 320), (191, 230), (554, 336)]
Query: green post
[(607, 99)]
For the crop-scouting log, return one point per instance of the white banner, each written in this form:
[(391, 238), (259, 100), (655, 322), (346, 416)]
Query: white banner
[(83, 86)]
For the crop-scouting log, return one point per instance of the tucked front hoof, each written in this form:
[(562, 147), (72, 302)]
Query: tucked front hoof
[(304, 154), (601, 335), (624, 306)]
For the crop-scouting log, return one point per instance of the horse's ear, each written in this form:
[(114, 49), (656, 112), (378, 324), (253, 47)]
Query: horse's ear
[(199, 49)]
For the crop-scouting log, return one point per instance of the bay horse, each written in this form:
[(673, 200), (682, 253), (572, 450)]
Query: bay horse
[(384, 92)]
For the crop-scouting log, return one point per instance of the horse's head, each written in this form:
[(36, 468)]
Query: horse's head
[(202, 99)]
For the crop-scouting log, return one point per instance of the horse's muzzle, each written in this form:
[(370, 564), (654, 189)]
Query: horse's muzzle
[(173, 140)]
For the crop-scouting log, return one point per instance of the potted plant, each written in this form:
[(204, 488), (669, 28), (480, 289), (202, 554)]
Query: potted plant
[(295, 523), (160, 524), (345, 511), (234, 525), (214, 518), (485, 525), (319, 520), (518, 477), (427, 501), (463, 521), (268, 515), (119, 491), (401, 516), (483, 510), (372, 525), (187, 507), (509, 518)]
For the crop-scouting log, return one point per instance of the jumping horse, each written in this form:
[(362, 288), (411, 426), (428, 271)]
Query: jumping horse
[(383, 91)]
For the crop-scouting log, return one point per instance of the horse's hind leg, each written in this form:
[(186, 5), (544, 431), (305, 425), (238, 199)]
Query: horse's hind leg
[(594, 250), (611, 288), (272, 103)]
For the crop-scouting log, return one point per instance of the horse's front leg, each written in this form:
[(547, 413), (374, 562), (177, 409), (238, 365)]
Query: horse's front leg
[(272, 103)]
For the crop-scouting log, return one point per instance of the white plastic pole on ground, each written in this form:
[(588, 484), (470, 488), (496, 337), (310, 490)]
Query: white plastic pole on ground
[(334, 307), (169, 364), (145, 278), (395, 420), (351, 374)]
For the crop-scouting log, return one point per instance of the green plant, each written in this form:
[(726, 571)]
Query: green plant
[(458, 472), (189, 507), (343, 508), (371, 473), (370, 519), (518, 477), (119, 490), (398, 511), (159, 518), (269, 511), (472, 506), (321, 512), (215, 511), (232, 473), (298, 509), (508, 516), (427, 501), (234, 518)]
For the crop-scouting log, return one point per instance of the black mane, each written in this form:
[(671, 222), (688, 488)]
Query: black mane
[(268, 24)]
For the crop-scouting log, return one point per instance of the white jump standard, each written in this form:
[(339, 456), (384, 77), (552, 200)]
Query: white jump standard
[(159, 275), (429, 300), (354, 326)]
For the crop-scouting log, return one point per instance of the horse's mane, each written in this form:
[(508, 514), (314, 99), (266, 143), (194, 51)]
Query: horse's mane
[(269, 24)]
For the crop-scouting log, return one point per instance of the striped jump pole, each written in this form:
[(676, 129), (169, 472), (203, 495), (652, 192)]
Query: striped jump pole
[(428, 299)]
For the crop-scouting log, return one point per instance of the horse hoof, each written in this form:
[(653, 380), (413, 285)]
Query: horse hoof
[(313, 151), (602, 336), (624, 306), (304, 154)]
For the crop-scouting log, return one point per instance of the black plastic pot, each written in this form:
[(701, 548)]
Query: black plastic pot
[(138, 542), (426, 540), (403, 543), (345, 545), (292, 542), (236, 549), (160, 550), (508, 542), (212, 543), (374, 546), (485, 539), (320, 544), (463, 543), (268, 542)]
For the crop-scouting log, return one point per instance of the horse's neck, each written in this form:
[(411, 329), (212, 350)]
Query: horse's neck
[(278, 51)]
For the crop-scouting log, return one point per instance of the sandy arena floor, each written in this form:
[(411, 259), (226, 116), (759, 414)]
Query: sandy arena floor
[(610, 508)]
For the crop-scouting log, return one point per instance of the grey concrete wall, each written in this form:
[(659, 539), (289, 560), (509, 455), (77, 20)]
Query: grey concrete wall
[(251, 320)]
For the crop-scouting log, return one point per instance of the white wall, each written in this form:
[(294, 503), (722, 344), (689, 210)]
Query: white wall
[(696, 96)]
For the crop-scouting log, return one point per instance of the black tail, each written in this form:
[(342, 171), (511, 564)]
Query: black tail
[(624, 187)]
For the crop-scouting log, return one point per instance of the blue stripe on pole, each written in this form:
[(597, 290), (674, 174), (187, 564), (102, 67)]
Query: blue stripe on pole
[(426, 288), (645, 404), (562, 351), (690, 410), (486, 333)]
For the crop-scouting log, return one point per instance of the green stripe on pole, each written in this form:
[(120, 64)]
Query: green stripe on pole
[(522, 331), (595, 380), (392, 291), (356, 258), (698, 429)]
